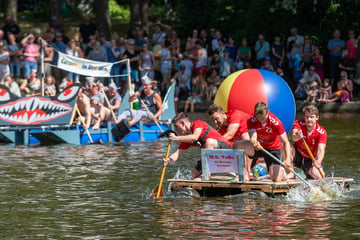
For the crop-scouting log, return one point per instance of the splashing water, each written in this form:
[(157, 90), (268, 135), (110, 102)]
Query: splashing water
[(322, 190)]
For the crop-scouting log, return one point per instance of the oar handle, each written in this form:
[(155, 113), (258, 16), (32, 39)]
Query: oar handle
[(109, 105), (163, 170), (312, 157), (151, 114), (82, 122), (281, 163)]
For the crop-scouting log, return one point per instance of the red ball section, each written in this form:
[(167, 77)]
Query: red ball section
[(247, 90)]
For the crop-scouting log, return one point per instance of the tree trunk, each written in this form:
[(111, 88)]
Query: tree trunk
[(11, 9), (56, 14), (103, 21), (145, 14), (139, 9)]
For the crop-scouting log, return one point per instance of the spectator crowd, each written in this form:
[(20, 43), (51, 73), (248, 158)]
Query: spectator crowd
[(198, 63)]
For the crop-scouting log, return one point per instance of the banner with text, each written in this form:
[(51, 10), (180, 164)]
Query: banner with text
[(222, 161), (83, 66)]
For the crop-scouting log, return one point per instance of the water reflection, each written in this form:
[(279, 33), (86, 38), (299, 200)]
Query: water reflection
[(245, 218), (102, 192)]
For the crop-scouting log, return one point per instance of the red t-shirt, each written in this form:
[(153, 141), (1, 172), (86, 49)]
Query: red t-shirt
[(268, 135), (352, 50), (317, 136), (212, 134), (234, 117)]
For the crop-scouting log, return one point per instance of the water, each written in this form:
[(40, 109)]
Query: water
[(102, 192)]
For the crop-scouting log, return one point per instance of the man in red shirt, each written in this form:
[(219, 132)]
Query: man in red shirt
[(315, 136), (266, 130), (197, 133), (232, 125)]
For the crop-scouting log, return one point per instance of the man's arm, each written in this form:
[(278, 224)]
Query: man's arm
[(231, 131), (285, 142), (296, 135), (174, 157), (253, 135), (320, 153), (158, 102), (134, 96), (187, 138)]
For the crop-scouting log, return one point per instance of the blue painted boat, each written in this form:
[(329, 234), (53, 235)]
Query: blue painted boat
[(46, 125)]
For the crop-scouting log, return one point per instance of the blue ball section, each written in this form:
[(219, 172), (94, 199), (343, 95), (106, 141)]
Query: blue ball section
[(259, 170), (280, 98)]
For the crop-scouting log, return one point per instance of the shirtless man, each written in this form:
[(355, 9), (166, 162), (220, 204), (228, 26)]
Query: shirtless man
[(83, 103), (232, 125)]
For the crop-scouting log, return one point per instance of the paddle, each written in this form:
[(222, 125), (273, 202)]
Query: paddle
[(108, 103), (312, 157), (158, 190), (151, 114), (83, 123), (283, 165)]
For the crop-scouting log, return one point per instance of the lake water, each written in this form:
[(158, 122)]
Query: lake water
[(102, 192)]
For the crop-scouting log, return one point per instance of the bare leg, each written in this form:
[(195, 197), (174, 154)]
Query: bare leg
[(248, 151), (314, 173), (192, 106), (195, 173), (277, 173), (187, 102)]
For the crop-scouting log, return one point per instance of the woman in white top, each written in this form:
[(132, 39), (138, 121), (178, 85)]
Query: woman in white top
[(73, 50)]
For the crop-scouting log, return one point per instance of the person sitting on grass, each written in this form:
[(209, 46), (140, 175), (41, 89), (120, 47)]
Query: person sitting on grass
[(153, 104), (312, 92), (325, 91), (197, 94), (197, 134)]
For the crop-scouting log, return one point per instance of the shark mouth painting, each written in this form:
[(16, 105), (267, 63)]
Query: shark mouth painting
[(37, 110), (34, 110)]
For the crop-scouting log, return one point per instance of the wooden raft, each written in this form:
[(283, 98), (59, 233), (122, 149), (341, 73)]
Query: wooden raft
[(222, 188)]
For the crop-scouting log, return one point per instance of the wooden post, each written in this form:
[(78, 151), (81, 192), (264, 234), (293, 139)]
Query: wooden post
[(129, 79), (42, 70)]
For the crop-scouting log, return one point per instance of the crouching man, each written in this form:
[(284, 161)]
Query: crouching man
[(197, 134)]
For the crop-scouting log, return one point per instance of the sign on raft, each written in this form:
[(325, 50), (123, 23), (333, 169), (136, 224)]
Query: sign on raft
[(222, 164)]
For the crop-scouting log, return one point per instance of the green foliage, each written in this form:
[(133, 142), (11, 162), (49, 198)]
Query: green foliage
[(120, 12), (238, 18)]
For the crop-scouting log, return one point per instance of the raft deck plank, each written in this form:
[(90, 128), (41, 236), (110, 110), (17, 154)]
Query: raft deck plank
[(266, 186)]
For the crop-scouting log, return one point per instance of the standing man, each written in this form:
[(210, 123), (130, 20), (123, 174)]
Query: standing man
[(294, 43), (87, 29), (197, 133), (262, 49), (232, 125), (315, 136), (334, 46), (152, 100), (266, 130)]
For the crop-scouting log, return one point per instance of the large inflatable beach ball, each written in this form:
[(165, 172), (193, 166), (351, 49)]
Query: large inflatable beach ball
[(259, 171), (243, 89)]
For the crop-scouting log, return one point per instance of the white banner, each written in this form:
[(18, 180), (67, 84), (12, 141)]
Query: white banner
[(84, 66)]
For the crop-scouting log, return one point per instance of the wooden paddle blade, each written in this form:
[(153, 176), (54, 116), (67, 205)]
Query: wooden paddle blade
[(153, 195)]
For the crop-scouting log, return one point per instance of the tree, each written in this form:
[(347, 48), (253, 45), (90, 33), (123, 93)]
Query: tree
[(11, 9), (55, 7), (103, 21), (139, 10)]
